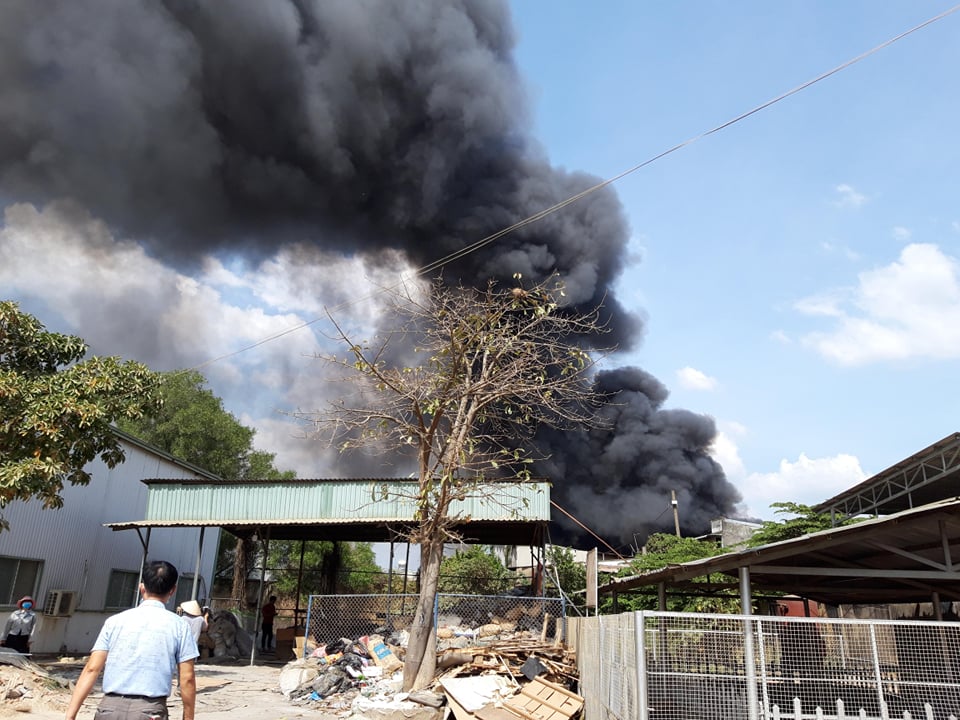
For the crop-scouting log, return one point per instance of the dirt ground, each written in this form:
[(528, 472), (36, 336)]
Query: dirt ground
[(238, 692)]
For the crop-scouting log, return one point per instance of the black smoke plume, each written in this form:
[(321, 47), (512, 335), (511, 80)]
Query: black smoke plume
[(239, 126)]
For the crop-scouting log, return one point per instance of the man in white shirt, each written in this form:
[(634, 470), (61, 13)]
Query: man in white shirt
[(139, 650)]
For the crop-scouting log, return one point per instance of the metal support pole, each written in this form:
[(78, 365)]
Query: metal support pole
[(296, 609), (876, 671), (749, 660), (662, 597), (143, 563), (643, 705), (256, 615), (196, 567)]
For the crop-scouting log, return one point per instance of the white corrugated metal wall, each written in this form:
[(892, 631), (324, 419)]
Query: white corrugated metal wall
[(78, 553)]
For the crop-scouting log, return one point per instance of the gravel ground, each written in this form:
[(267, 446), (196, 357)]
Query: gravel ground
[(238, 692)]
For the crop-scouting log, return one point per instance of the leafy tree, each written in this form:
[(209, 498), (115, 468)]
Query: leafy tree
[(475, 571), (328, 568), (564, 569), (193, 425), (56, 409), (663, 550), (488, 367), (803, 521)]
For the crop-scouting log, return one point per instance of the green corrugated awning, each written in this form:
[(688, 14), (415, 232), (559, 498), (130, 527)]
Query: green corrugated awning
[(357, 509)]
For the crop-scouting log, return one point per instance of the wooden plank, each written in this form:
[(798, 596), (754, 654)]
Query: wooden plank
[(546, 623), (545, 700)]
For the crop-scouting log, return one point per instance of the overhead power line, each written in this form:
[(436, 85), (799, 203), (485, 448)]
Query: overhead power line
[(429, 268)]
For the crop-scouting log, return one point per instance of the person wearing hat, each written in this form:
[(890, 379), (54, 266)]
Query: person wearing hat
[(195, 617), (18, 632)]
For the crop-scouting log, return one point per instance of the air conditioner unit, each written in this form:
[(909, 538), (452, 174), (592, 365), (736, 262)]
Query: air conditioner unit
[(60, 603)]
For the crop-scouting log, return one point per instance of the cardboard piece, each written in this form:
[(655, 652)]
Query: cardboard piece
[(543, 700), (381, 654), (473, 692)]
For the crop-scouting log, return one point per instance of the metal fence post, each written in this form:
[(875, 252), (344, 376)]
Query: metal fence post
[(749, 660), (643, 706), (306, 627), (876, 671), (763, 669)]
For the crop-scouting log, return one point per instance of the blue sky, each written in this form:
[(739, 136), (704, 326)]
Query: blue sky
[(797, 271)]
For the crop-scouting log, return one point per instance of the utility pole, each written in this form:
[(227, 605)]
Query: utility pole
[(676, 515)]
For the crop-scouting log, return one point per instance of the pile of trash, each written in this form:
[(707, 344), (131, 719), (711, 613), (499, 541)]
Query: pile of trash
[(346, 673), (513, 672)]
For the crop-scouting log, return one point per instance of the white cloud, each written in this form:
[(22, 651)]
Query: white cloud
[(826, 304), (725, 451), (902, 234), (693, 379), (807, 481), (122, 301), (849, 197), (781, 337), (910, 308), (832, 248)]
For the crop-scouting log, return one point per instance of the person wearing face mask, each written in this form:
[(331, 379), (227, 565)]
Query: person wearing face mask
[(18, 632)]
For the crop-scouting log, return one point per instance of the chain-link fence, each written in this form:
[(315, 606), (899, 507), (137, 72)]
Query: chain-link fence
[(475, 619), (680, 666)]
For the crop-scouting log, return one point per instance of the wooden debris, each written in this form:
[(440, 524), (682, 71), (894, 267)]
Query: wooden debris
[(508, 657)]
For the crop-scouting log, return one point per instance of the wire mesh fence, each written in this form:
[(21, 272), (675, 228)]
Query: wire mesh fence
[(680, 666), (475, 619)]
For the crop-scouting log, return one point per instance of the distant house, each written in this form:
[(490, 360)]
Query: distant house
[(731, 532), (80, 572)]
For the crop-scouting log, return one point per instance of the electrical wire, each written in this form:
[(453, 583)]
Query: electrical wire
[(473, 247)]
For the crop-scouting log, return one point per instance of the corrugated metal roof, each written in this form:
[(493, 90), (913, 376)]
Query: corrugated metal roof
[(332, 501), (906, 557), (372, 509)]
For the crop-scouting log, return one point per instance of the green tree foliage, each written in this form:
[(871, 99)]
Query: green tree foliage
[(662, 550), (563, 567), (803, 520), (193, 425), (353, 568), (56, 409), (475, 571)]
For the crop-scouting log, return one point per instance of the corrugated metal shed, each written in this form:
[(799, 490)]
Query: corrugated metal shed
[(906, 557), (375, 509), (928, 476)]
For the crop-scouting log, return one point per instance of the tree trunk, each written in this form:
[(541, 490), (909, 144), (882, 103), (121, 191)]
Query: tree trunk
[(420, 660), (242, 554), (330, 570)]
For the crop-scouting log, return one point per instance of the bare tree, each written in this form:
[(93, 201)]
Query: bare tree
[(488, 367)]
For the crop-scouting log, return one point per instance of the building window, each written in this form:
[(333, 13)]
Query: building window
[(18, 577), (185, 589), (122, 590)]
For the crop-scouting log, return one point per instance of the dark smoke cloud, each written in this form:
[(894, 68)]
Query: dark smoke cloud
[(363, 126), (618, 478)]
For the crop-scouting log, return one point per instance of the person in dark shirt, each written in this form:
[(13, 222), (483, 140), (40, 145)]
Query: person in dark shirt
[(267, 613)]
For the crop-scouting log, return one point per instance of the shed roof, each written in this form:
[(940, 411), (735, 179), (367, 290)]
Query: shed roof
[(906, 557), (927, 476), (372, 509)]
